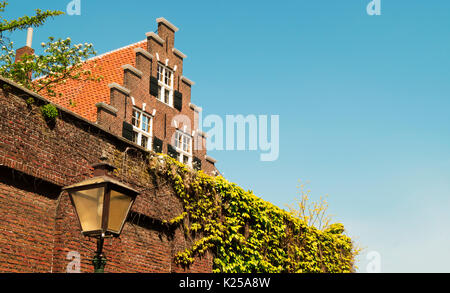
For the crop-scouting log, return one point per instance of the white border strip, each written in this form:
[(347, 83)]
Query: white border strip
[(179, 53), (166, 22), (187, 80), (114, 51), (120, 88), (132, 69), (195, 108), (155, 36), (144, 52), (210, 159)]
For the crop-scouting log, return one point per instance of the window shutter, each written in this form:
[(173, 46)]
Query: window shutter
[(178, 100), (157, 145), (127, 131), (197, 164), (172, 152), (153, 86)]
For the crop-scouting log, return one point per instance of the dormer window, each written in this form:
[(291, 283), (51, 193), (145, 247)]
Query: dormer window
[(165, 85), (183, 145), (142, 128)]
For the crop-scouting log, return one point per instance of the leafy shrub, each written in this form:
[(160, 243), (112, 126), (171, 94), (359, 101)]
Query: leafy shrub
[(49, 112)]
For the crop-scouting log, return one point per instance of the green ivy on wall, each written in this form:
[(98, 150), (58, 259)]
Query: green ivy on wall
[(245, 233)]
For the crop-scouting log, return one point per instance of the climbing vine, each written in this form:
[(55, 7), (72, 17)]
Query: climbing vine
[(246, 233)]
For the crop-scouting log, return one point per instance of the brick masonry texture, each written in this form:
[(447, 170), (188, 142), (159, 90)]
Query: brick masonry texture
[(38, 226)]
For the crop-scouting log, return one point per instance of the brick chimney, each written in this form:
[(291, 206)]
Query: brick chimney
[(166, 31), (27, 49)]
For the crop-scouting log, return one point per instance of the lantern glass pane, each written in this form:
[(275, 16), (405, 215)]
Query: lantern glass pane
[(89, 206), (118, 210)]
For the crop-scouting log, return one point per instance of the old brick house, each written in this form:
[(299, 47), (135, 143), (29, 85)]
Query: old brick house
[(144, 97), (142, 105)]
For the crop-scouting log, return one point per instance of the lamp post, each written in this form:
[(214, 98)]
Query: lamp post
[(102, 205)]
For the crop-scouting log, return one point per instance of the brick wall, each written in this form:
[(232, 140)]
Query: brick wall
[(39, 225)]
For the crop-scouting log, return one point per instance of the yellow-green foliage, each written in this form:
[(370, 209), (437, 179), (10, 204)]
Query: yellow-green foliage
[(246, 233)]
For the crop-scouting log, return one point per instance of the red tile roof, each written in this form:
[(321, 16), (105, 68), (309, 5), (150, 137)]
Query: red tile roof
[(81, 97)]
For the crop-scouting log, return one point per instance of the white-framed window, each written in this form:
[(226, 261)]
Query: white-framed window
[(165, 84), (142, 128), (183, 145)]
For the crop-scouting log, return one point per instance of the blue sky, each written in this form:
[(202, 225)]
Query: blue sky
[(364, 103)]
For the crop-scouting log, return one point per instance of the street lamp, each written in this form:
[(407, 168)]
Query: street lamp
[(102, 205)]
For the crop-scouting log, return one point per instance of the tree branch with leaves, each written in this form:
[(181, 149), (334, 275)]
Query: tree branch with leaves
[(61, 61), (313, 213), (23, 22)]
